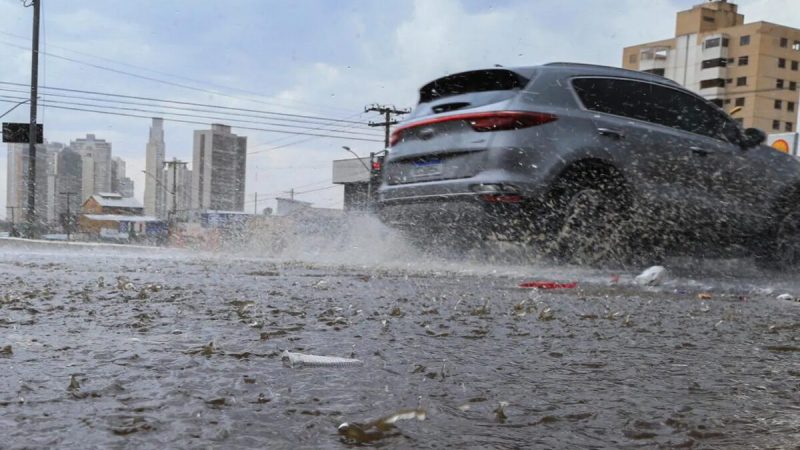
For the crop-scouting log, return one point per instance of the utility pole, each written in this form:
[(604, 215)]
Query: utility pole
[(174, 165), (69, 217), (291, 193), (255, 206), (32, 135), (388, 112)]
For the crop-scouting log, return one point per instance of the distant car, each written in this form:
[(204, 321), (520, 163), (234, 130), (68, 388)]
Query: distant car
[(590, 163)]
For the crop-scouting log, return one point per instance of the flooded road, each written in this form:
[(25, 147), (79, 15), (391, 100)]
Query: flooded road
[(151, 349)]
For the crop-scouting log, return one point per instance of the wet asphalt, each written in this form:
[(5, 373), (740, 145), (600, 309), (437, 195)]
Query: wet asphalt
[(111, 347)]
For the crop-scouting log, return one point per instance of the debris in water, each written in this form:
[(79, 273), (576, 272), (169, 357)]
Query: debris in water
[(362, 433), (704, 296), (6, 350), (292, 359), (546, 314), (653, 276), (547, 285), (500, 412), (73, 384), (786, 297)]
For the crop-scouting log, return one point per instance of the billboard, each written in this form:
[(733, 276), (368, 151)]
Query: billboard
[(17, 133), (784, 142)]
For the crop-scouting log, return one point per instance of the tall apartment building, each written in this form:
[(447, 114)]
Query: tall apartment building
[(68, 185), (120, 184), (154, 191), (17, 183), (749, 69), (218, 169), (179, 182), (96, 164)]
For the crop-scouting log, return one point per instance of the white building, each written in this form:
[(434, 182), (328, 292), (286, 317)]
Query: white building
[(96, 159), (218, 169), (154, 187), (17, 182)]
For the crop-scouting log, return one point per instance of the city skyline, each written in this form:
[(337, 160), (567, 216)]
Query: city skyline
[(382, 53)]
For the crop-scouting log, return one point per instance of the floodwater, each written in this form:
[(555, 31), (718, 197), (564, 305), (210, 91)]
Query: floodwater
[(149, 349)]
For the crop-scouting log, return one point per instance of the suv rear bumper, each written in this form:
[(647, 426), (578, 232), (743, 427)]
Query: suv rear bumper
[(457, 213)]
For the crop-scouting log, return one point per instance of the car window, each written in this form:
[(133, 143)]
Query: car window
[(655, 104)]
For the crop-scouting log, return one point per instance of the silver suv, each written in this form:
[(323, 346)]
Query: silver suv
[(590, 163)]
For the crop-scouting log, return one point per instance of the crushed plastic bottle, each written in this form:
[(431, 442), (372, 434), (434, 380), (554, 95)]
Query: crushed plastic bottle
[(652, 276), (292, 359), (786, 297)]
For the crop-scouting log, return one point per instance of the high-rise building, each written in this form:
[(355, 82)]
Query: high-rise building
[(17, 183), (181, 184), (96, 164), (120, 184), (154, 186), (68, 185), (751, 70), (218, 169)]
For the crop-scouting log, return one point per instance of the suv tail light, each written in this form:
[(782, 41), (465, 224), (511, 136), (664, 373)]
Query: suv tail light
[(483, 121)]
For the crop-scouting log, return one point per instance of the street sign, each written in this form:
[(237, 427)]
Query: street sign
[(17, 133)]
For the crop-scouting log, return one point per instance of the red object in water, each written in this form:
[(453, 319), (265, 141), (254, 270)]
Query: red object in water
[(548, 285)]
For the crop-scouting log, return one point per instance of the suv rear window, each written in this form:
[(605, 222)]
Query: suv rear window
[(653, 103), (468, 82)]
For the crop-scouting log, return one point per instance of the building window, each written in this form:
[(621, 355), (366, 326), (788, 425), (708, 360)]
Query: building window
[(793, 85), (784, 42), (795, 65), (790, 106), (725, 42), (796, 46), (716, 62), (776, 124), (741, 81), (778, 84), (716, 82), (781, 63), (708, 19), (788, 126), (711, 43), (778, 104), (739, 101), (744, 40), (743, 60), (632, 58)]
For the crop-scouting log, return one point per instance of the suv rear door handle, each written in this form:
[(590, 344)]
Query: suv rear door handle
[(616, 134), (701, 151)]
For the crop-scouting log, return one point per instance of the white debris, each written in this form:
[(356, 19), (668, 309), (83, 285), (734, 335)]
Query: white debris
[(299, 359), (787, 297), (653, 276)]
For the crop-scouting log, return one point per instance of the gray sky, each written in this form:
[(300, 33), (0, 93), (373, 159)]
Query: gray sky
[(319, 58)]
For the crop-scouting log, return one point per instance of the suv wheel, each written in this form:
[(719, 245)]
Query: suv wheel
[(592, 229), (784, 251)]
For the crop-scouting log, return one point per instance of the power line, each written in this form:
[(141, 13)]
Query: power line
[(197, 116), (203, 123), (179, 102), (179, 108)]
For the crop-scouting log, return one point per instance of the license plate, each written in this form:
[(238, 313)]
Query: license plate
[(426, 168)]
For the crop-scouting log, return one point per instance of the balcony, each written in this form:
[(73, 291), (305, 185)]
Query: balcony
[(653, 58)]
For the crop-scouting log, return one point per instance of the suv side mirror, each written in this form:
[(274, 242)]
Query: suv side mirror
[(753, 137)]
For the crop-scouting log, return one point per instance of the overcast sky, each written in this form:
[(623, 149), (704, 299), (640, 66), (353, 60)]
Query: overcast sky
[(318, 58)]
